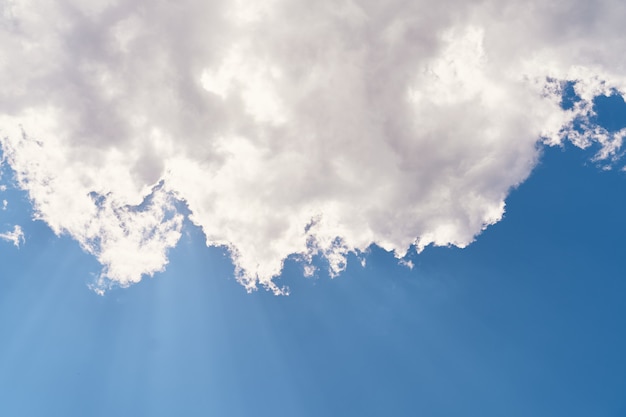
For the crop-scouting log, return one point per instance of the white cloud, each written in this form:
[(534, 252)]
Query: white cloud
[(16, 236), (293, 128)]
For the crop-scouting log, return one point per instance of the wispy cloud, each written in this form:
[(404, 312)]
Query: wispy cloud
[(16, 236), (293, 128)]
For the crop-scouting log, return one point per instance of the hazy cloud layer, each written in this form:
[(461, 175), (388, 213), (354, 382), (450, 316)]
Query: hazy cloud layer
[(291, 127)]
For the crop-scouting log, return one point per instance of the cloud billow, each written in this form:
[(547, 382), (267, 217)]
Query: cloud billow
[(288, 127)]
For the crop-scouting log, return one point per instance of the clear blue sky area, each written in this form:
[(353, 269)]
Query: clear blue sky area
[(530, 320)]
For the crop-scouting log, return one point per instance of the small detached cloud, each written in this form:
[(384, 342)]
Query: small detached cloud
[(16, 236), (296, 127)]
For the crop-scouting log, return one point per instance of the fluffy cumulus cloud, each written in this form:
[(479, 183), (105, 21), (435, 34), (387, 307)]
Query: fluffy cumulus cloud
[(292, 127)]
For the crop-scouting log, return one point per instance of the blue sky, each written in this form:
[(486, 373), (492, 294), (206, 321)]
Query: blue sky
[(293, 208), (528, 320)]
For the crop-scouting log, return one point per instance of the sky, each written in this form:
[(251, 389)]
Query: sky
[(346, 208)]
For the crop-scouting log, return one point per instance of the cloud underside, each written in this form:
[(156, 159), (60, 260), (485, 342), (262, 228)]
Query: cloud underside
[(292, 127)]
